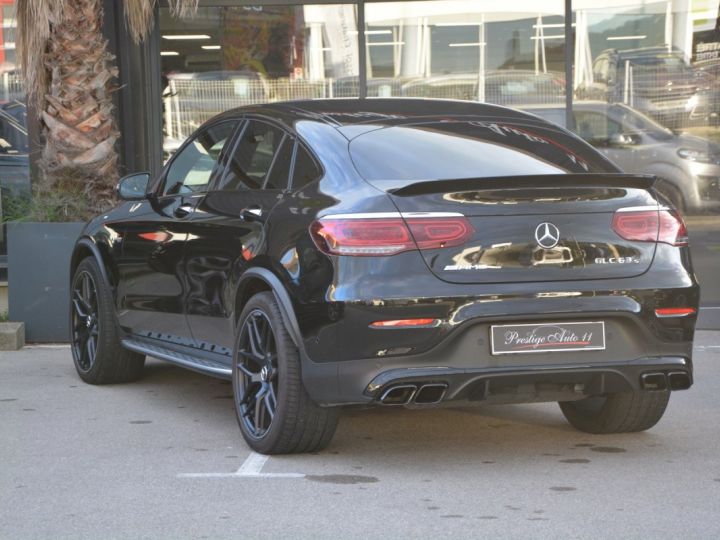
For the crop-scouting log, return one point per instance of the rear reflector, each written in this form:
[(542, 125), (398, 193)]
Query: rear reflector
[(404, 323), (674, 312), (650, 226), (388, 235)]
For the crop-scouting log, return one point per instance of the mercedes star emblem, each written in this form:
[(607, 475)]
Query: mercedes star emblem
[(547, 235)]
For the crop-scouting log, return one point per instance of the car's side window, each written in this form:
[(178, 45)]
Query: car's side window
[(595, 128), (306, 170), (600, 70), (253, 156), (191, 170), (279, 174)]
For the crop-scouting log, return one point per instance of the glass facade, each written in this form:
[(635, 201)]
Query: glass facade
[(478, 50), (230, 56), (644, 82), (14, 170), (647, 95), (643, 76)]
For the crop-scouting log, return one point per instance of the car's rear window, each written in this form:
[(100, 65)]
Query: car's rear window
[(396, 156)]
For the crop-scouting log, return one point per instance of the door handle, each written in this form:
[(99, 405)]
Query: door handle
[(183, 210), (251, 213)]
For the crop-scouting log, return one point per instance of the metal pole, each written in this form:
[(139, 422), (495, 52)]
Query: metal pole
[(569, 53), (362, 51)]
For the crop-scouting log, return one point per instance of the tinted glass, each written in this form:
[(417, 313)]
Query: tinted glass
[(452, 150), (663, 59), (280, 171), (596, 128), (505, 53), (246, 54), (192, 168), (306, 170), (252, 156)]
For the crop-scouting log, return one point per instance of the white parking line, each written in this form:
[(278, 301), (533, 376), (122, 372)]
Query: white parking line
[(251, 468)]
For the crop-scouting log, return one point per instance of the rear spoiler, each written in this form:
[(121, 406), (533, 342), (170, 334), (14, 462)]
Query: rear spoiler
[(637, 181)]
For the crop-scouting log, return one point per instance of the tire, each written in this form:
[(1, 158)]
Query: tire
[(623, 412), (94, 337), (266, 377), (672, 194)]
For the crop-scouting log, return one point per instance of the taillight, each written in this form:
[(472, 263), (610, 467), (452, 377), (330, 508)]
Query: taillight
[(369, 236), (674, 312), (404, 323), (650, 226)]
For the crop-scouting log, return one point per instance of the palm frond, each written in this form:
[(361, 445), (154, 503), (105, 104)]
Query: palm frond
[(140, 15), (183, 8), (34, 19)]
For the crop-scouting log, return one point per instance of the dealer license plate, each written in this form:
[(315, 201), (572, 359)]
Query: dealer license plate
[(547, 337)]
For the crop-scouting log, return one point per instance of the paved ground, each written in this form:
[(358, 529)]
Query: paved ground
[(705, 249), (140, 461)]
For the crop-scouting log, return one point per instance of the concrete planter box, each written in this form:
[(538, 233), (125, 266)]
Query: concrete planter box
[(12, 336), (38, 278)]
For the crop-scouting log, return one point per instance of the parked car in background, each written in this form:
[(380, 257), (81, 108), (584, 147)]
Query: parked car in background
[(502, 87), (661, 84), (376, 87), (190, 99), (391, 252), (14, 164), (708, 75), (688, 167)]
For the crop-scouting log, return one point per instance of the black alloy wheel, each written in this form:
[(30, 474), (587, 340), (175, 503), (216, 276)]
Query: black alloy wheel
[(85, 324), (95, 338), (256, 376), (273, 409)]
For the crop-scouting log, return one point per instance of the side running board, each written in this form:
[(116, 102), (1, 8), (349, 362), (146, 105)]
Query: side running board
[(201, 364)]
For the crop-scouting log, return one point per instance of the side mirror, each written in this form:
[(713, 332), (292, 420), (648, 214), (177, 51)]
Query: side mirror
[(624, 139), (133, 187)]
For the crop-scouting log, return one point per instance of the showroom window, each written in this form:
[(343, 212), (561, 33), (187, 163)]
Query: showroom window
[(507, 54), (14, 169), (230, 56), (647, 95)]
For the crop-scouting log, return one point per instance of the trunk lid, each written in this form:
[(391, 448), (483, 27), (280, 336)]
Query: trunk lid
[(539, 228)]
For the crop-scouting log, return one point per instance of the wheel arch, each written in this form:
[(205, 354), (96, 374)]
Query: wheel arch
[(673, 177), (86, 247), (258, 279)]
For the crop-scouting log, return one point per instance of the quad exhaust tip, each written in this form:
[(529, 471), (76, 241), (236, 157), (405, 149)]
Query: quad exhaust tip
[(679, 380), (398, 395), (674, 380), (430, 394), (406, 394)]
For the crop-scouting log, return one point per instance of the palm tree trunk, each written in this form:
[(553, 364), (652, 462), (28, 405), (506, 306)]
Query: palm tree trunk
[(79, 157), (69, 75)]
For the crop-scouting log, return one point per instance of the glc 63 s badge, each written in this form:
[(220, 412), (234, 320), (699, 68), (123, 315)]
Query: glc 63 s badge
[(617, 260)]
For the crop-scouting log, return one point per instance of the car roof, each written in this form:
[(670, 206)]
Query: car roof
[(589, 104), (385, 111), (642, 52)]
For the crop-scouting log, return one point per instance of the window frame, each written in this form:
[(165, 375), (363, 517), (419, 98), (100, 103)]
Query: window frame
[(245, 120), (298, 143), (159, 187)]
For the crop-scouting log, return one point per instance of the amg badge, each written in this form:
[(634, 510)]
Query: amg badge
[(617, 260)]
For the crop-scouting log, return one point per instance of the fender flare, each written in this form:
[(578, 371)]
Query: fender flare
[(281, 296), (677, 179), (320, 380), (86, 242)]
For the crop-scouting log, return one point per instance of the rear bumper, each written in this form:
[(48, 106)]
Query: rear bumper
[(538, 383), (422, 385), (637, 344)]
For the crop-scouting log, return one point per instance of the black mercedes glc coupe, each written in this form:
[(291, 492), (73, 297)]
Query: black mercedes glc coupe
[(335, 253)]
